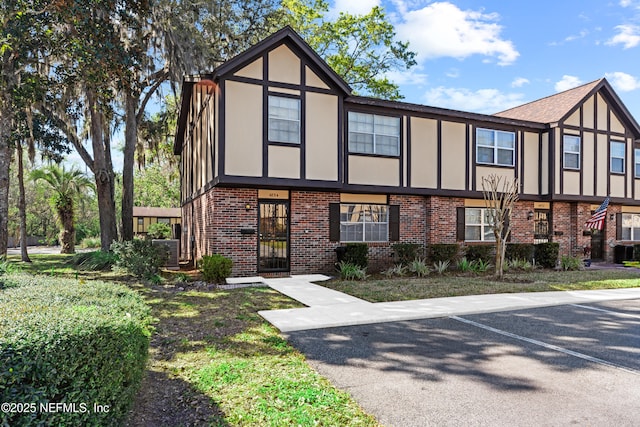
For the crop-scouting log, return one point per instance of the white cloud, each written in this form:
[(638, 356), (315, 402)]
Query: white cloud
[(355, 7), (628, 36), (412, 76), (453, 73), (519, 82), (623, 82), (567, 82), (441, 29), (486, 101)]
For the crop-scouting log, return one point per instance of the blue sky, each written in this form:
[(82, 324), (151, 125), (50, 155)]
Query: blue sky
[(487, 56)]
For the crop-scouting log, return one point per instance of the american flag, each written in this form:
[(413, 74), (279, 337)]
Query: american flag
[(596, 222)]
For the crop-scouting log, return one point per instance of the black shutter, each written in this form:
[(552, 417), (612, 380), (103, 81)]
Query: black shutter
[(460, 224), (334, 222), (618, 226), (394, 223)]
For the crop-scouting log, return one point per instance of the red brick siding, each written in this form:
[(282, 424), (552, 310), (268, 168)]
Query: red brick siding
[(216, 218), (311, 250)]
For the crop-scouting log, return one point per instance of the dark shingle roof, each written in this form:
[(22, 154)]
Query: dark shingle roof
[(552, 108)]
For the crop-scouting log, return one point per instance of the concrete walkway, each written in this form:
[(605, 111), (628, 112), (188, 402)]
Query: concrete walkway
[(328, 308)]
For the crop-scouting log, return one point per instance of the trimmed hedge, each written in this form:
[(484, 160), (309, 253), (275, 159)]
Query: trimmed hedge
[(357, 254), (215, 268), (443, 252), (546, 254), (405, 253), (484, 253), (520, 251), (63, 342)]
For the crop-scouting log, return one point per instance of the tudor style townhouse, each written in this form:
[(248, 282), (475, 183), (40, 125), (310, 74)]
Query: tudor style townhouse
[(281, 164)]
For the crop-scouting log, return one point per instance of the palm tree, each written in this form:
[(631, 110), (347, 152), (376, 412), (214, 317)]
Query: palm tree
[(67, 185)]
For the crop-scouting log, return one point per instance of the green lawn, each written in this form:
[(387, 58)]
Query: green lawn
[(214, 355), (212, 348), (399, 289)]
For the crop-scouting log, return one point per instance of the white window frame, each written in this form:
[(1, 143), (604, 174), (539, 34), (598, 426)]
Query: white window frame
[(629, 220), (483, 224), (495, 147), (570, 152), (637, 162), (365, 218), (623, 158), (273, 117), (375, 133)]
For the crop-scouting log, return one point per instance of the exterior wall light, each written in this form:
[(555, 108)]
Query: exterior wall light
[(530, 215), (247, 207)]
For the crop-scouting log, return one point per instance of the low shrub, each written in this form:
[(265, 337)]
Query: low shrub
[(357, 254), (93, 261), (64, 343), (519, 264), (419, 267), (139, 257), (441, 266), (159, 230), (520, 251), (443, 252), (483, 253), (465, 266), (404, 253), (546, 254), (480, 266), (215, 268), (350, 271), (570, 263), (90, 242), (398, 270)]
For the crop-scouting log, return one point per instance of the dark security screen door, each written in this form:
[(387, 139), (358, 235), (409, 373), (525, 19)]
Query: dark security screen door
[(273, 236), (597, 244)]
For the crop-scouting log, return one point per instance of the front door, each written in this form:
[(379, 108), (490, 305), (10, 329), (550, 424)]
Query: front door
[(273, 236), (541, 225), (597, 244)]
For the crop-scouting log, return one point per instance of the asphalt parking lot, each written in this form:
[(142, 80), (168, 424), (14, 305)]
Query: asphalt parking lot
[(555, 366)]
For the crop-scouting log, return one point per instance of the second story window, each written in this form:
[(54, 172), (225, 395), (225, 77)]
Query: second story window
[(617, 156), (373, 134), (637, 162), (284, 119), (571, 153), (495, 147)]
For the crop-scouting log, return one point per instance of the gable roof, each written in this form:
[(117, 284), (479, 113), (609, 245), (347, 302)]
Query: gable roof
[(551, 109), (284, 36), (555, 108)]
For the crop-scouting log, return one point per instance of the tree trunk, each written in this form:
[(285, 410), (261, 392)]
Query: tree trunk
[(22, 206), (68, 229), (6, 119), (104, 176), (130, 139)]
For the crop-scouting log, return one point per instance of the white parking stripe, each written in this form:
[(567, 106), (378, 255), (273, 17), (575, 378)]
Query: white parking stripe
[(617, 313), (545, 345)]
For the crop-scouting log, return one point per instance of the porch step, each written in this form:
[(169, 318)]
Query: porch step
[(244, 280)]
